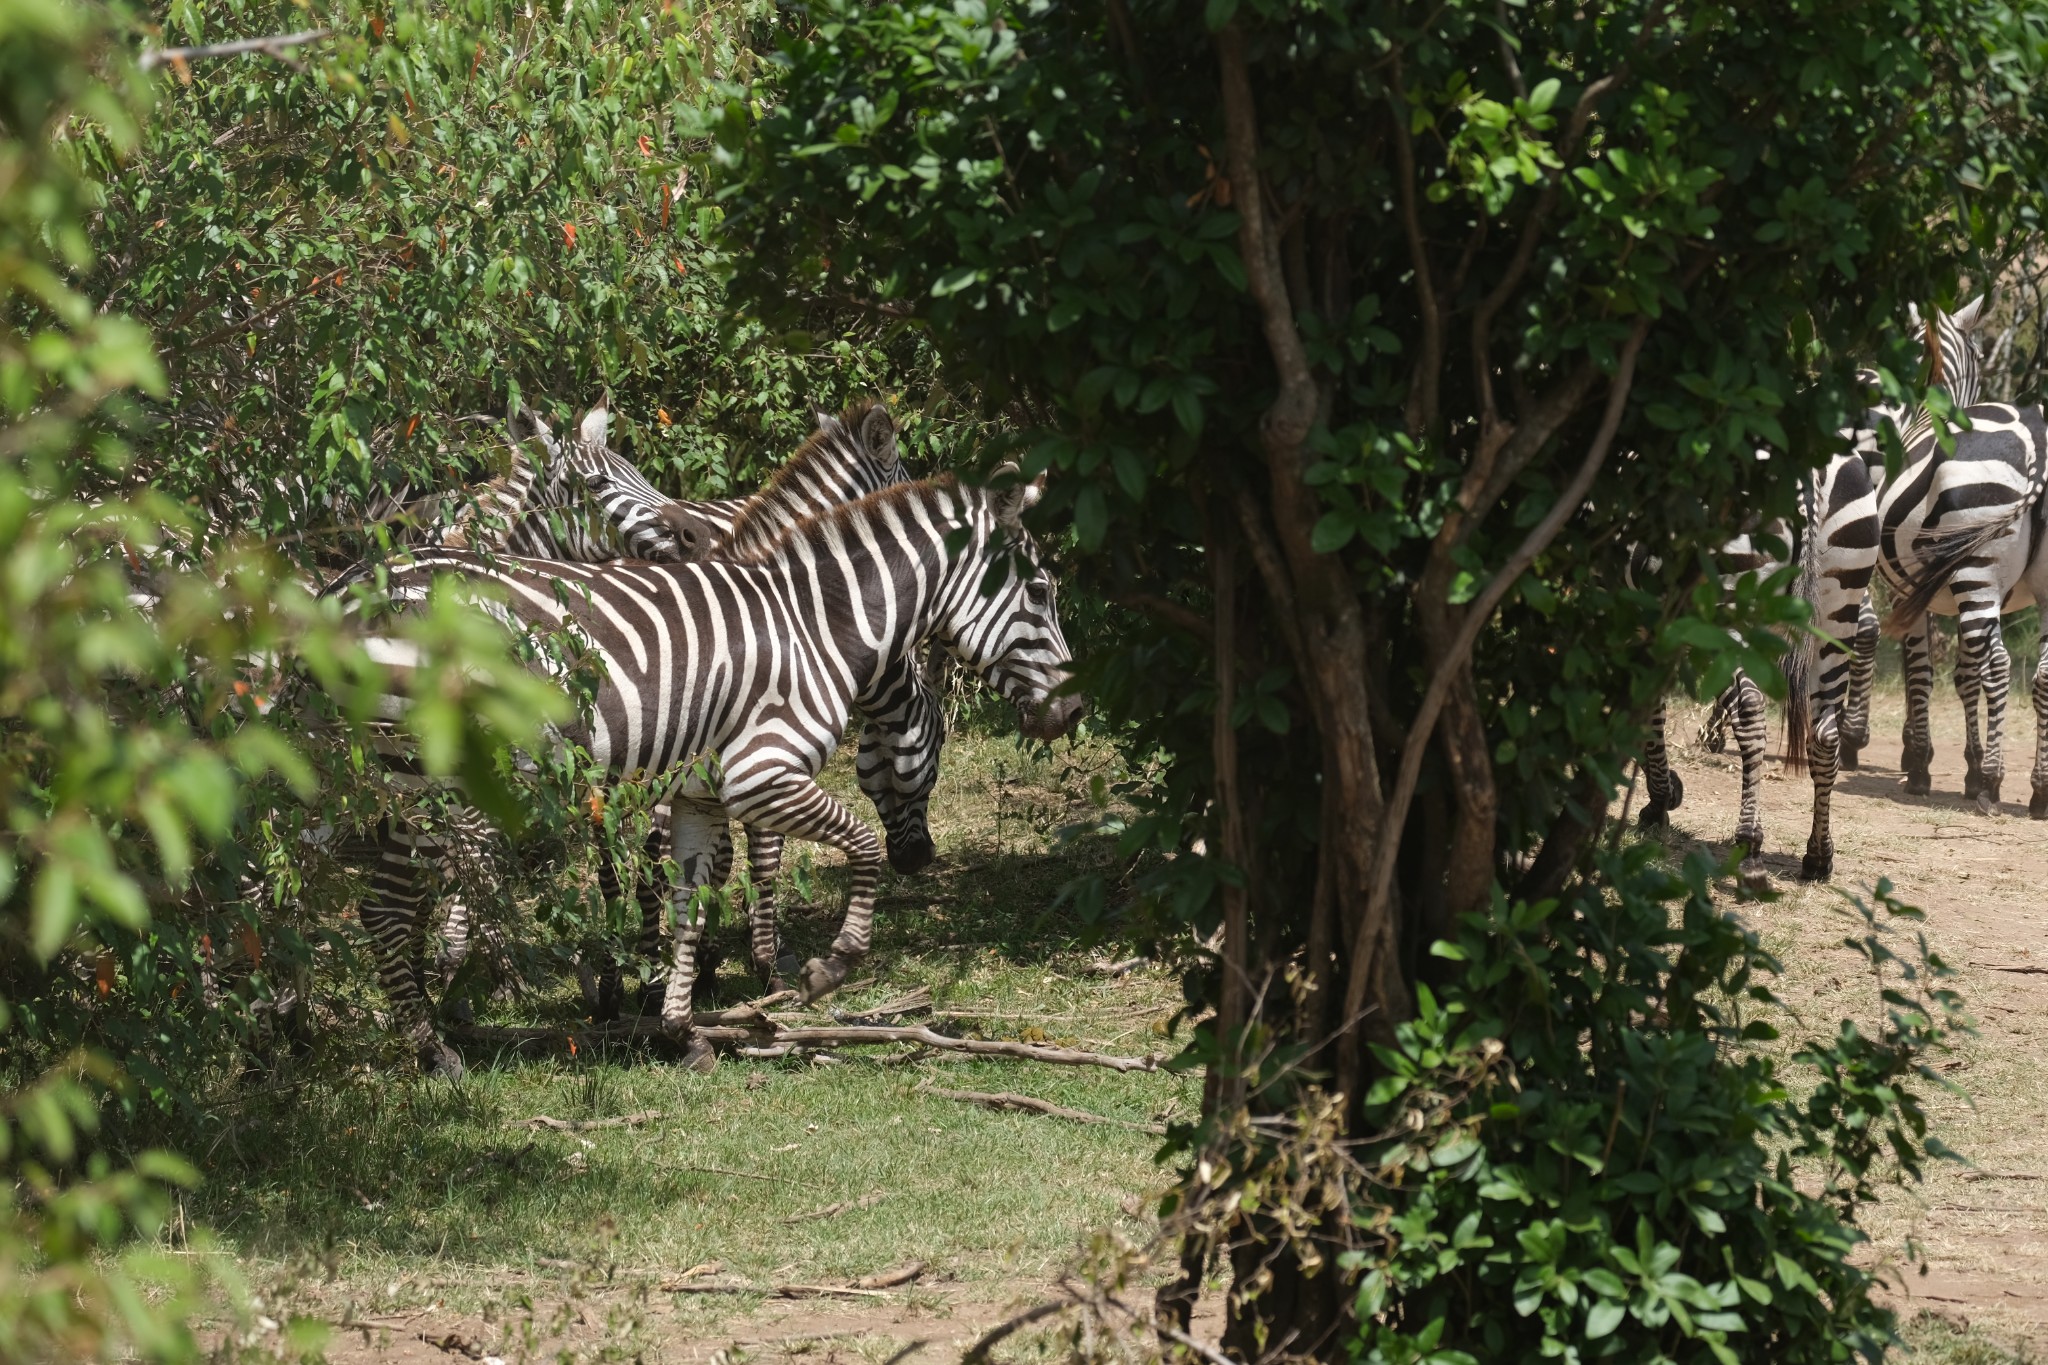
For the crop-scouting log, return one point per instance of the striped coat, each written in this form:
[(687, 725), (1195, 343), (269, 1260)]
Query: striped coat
[(737, 676)]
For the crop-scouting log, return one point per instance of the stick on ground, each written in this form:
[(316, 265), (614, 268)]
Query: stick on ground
[(1006, 1100), (843, 1206), (585, 1125), (890, 1279)]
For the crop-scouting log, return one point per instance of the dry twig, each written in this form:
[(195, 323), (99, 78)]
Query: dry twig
[(890, 1279), (272, 45), (1006, 1100), (585, 1125), (843, 1206)]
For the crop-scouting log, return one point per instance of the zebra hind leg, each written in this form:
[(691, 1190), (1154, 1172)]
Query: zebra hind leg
[(2037, 805), (1822, 748), (1664, 789), (1855, 722), (392, 915), (1917, 755), (1745, 701)]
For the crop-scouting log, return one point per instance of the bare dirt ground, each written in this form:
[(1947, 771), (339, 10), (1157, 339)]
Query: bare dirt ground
[(1982, 880)]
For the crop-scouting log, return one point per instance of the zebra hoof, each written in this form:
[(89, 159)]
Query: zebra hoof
[(439, 1059), (698, 1057), (1973, 785), (822, 976), (1749, 845), (1818, 865), (1656, 815), (2038, 806), (1849, 759), (1987, 801), (1918, 784)]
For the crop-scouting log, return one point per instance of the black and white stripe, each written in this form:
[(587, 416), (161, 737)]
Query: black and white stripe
[(736, 678)]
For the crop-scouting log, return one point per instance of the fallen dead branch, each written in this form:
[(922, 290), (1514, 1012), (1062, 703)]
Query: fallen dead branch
[(747, 1027), (854, 1035), (1006, 1100), (777, 1291), (2001, 1175), (890, 1279), (1113, 969), (2025, 969), (866, 1201), (585, 1125)]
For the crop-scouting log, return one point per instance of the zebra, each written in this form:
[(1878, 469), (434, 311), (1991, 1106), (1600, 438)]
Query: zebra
[(1955, 363), (846, 457), (1827, 713), (1836, 548), (1963, 534), (576, 500), (898, 755), (737, 676)]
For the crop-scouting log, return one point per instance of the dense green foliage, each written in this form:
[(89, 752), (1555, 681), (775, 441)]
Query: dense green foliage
[(1363, 340)]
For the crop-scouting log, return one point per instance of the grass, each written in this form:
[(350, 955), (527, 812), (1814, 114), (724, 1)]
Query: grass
[(389, 1180)]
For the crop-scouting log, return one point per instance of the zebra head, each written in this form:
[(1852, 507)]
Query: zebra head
[(1007, 626), (650, 524), (1955, 360)]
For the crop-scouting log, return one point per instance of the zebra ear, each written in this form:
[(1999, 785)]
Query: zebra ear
[(878, 433), (1973, 314), (1010, 497), (596, 425)]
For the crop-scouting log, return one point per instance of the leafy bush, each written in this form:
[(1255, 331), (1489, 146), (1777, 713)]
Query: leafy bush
[(1362, 341)]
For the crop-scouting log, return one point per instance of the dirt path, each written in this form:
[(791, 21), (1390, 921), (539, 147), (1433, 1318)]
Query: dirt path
[(1983, 882)]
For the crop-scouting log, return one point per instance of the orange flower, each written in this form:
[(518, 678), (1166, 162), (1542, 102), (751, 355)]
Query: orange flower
[(569, 235), (661, 416), (104, 973), (412, 426), (646, 146)]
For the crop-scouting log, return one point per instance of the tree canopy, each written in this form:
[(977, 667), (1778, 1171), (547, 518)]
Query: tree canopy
[(1363, 340)]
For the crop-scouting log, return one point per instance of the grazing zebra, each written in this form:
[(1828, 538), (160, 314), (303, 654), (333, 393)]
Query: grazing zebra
[(740, 674)]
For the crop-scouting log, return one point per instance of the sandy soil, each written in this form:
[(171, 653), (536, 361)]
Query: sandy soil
[(1982, 880)]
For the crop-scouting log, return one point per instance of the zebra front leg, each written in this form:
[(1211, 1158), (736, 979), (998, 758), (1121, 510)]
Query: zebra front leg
[(1917, 756), (697, 830), (1665, 792), (799, 808), (1745, 701), (393, 915), (1982, 650), (1855, 721), (2037, 805)]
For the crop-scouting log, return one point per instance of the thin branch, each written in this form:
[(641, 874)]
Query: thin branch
[(1481, 612), (272, 45), (1423, 393)]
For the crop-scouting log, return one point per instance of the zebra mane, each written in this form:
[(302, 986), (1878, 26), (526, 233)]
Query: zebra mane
[(818, 474), (1004, 505)]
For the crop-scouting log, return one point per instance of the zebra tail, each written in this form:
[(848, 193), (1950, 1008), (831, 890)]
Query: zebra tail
[(1923, 587), (1804, 656)]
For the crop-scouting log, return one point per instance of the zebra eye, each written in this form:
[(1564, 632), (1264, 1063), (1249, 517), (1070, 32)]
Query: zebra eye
[(1036, 593)]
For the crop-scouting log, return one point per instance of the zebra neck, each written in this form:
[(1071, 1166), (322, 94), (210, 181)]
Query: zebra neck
[(874, 594)]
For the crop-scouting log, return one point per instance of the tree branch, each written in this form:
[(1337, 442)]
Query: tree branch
[(272, 45), (1423, 392), (1476, 617)]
